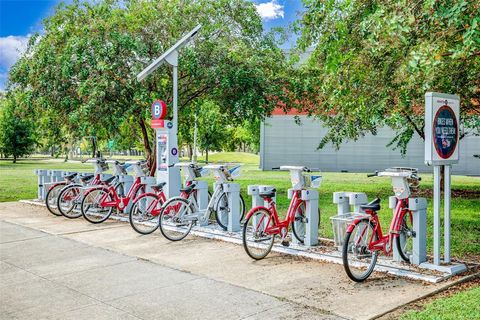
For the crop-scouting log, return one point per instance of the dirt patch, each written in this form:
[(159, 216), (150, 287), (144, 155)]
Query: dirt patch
[(420, 304)]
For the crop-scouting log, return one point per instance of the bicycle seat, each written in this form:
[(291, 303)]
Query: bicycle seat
[(159, 186), (269, 194), (86, 178), (107, 181), (70, 176), (373, 205), (188, 189)]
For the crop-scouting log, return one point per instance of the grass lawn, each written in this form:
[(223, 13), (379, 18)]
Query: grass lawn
[(462, 305), (18, 181)]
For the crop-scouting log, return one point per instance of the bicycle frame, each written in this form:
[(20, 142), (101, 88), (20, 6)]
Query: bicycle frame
[(384, 242), (278, 225), (120, 202)]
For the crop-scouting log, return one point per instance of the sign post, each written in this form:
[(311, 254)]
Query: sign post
[(168, 148), (442, 114)]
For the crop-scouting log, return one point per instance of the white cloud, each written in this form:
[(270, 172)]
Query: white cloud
[(270, 10), (11, 48)]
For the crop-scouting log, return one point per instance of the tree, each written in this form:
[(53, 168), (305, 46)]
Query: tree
[(211, 128), (374, 60), (83, 68), (16, 132)]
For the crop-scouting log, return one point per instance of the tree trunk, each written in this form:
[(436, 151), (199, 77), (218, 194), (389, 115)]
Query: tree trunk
[(190, 151), (14, 158), (151, 160), (206, 155)]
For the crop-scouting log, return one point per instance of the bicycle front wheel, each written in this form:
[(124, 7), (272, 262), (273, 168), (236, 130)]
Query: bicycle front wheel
[(51, 199), (176, 219), (68, 202), (358, 260), (256, 241), (145, 213), (222, 209), (92, 209), (404, 239)]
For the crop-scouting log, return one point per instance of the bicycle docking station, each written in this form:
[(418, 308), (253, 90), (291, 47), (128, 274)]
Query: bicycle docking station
[(418, 207), (43, 178), (309, 228), (254, 191)]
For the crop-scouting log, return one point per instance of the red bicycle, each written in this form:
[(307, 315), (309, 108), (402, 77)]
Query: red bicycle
[(146, 209), (54, 190), (262, 223), (99, 201), (364, 238)]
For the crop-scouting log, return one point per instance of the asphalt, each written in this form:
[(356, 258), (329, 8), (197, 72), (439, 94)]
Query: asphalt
[(55, 268)]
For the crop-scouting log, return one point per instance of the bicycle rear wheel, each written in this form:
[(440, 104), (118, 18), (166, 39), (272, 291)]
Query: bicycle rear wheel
[(358, 260), (145, 214), (221, 210), (176, 219), (91, 207), (51, 199), (69, 200), (256, 242), (404, 239)]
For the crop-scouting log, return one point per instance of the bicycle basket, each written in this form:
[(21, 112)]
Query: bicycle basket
[(144, 167), (104, 166), (315, 181), (234, 172)]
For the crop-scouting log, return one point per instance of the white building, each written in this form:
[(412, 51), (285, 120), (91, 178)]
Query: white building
[(283, 142)]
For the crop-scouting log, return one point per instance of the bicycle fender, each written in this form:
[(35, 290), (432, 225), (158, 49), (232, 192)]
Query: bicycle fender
[(354, 223), (145, 194), (57, 184), (253, 210), (97, 187)]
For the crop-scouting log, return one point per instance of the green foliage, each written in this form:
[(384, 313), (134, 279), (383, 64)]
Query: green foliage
[(16, 130), (462, 305), (374, 60), (81, 72), (211, 127)]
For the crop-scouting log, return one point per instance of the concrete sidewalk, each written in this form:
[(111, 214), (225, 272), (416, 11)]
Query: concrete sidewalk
[(53, 267)]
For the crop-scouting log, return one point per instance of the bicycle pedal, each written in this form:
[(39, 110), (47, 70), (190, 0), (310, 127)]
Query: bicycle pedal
[(285, 243)]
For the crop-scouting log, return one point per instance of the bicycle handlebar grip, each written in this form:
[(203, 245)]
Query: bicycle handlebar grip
[(372, 174), (276, 168)]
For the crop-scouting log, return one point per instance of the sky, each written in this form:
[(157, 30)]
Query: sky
[(20, 18)]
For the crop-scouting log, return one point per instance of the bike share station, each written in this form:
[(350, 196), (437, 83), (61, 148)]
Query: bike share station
[(441, 150)]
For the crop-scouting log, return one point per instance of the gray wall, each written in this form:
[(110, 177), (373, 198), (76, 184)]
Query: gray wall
[(283, 142)]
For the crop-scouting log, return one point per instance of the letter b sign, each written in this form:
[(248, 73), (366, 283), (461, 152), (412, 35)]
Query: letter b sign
[(159, 110)]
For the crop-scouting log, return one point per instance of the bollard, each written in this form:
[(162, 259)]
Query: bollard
[(105, 176), (127, 182), (202, 200), (257, 200), (418, 206), (233, 194), (341, 200), (43, 178), (356, 199), (310, 197)]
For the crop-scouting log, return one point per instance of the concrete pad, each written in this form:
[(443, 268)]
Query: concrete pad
[(296, 287), (201, 299), (124, 279), (99, 311), (9, 233), (39, 299), (11, 275)]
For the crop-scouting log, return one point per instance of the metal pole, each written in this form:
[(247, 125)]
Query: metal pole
[(195, 140), (446, 207), (175, 99), (436, 215)]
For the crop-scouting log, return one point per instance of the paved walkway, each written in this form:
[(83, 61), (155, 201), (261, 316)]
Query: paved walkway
[(51, 267)]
